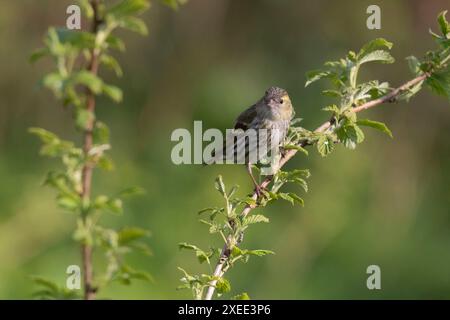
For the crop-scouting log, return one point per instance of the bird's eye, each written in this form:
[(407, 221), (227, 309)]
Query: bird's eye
[(281, 100)]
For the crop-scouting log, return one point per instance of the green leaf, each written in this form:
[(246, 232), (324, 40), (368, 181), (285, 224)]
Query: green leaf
[(101, 133), (105, 162), (134, 24), (131, 191), (53, 287), (414, 65), (232, 191), (241, 296), (350, 135), (439, 82), (377, 55), (113, 92), (38, 54), (185, 245), (376, 44), (112, 205), (286, 196), (83, 118), (325, 145), (174, 4), (444, 25), (88, 79), (220, 186), (127, 273), (128, 7), (295, 147), (115, 42), (258, 252), (297, 199), (75, 39), (332, 93), (315, 75), (223, 286), (410, 92), (255, 218), (69, 203), (333, 108), (110, 62), (45, 135), (376, 125), (202, 256), (53, 145), (86, 8), (54, 81), (130, 234)]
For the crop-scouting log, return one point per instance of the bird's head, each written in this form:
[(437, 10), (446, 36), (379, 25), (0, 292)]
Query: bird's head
[(278, 101)]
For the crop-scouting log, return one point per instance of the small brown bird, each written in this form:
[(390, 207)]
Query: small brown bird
[(272, 112)]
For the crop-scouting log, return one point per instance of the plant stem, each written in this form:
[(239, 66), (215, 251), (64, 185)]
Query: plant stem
[(86, 249), (390, 97)]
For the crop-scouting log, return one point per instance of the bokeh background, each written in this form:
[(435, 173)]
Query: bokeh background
[(386, 203)]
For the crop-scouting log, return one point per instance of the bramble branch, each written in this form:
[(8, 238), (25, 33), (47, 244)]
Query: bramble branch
[(86, 249), (220, 270)]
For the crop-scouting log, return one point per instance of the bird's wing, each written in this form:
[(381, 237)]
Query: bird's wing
[(244, 120)]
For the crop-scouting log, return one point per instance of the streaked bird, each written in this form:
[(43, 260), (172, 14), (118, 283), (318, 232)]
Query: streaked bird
[(267, 121)]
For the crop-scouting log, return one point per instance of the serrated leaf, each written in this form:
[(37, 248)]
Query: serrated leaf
[(443, 24), (325, 145), (376, 125), (439, 82), (220, 186), (377, 55), (255, 218), (223, 286), (315, 75), (297, 199), (333, 108), (302, 183), (286, 196), (374, 45), (259, 252), (350, 135)]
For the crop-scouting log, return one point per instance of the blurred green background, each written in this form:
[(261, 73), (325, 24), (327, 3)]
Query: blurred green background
[(386, 203)]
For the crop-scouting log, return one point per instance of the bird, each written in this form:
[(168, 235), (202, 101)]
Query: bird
[(273, 112)]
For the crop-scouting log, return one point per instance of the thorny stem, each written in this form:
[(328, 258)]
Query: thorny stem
[(86, 249), (221, 266)]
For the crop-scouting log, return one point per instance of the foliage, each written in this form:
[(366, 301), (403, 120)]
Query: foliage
[(74, 83), (344, 128)]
